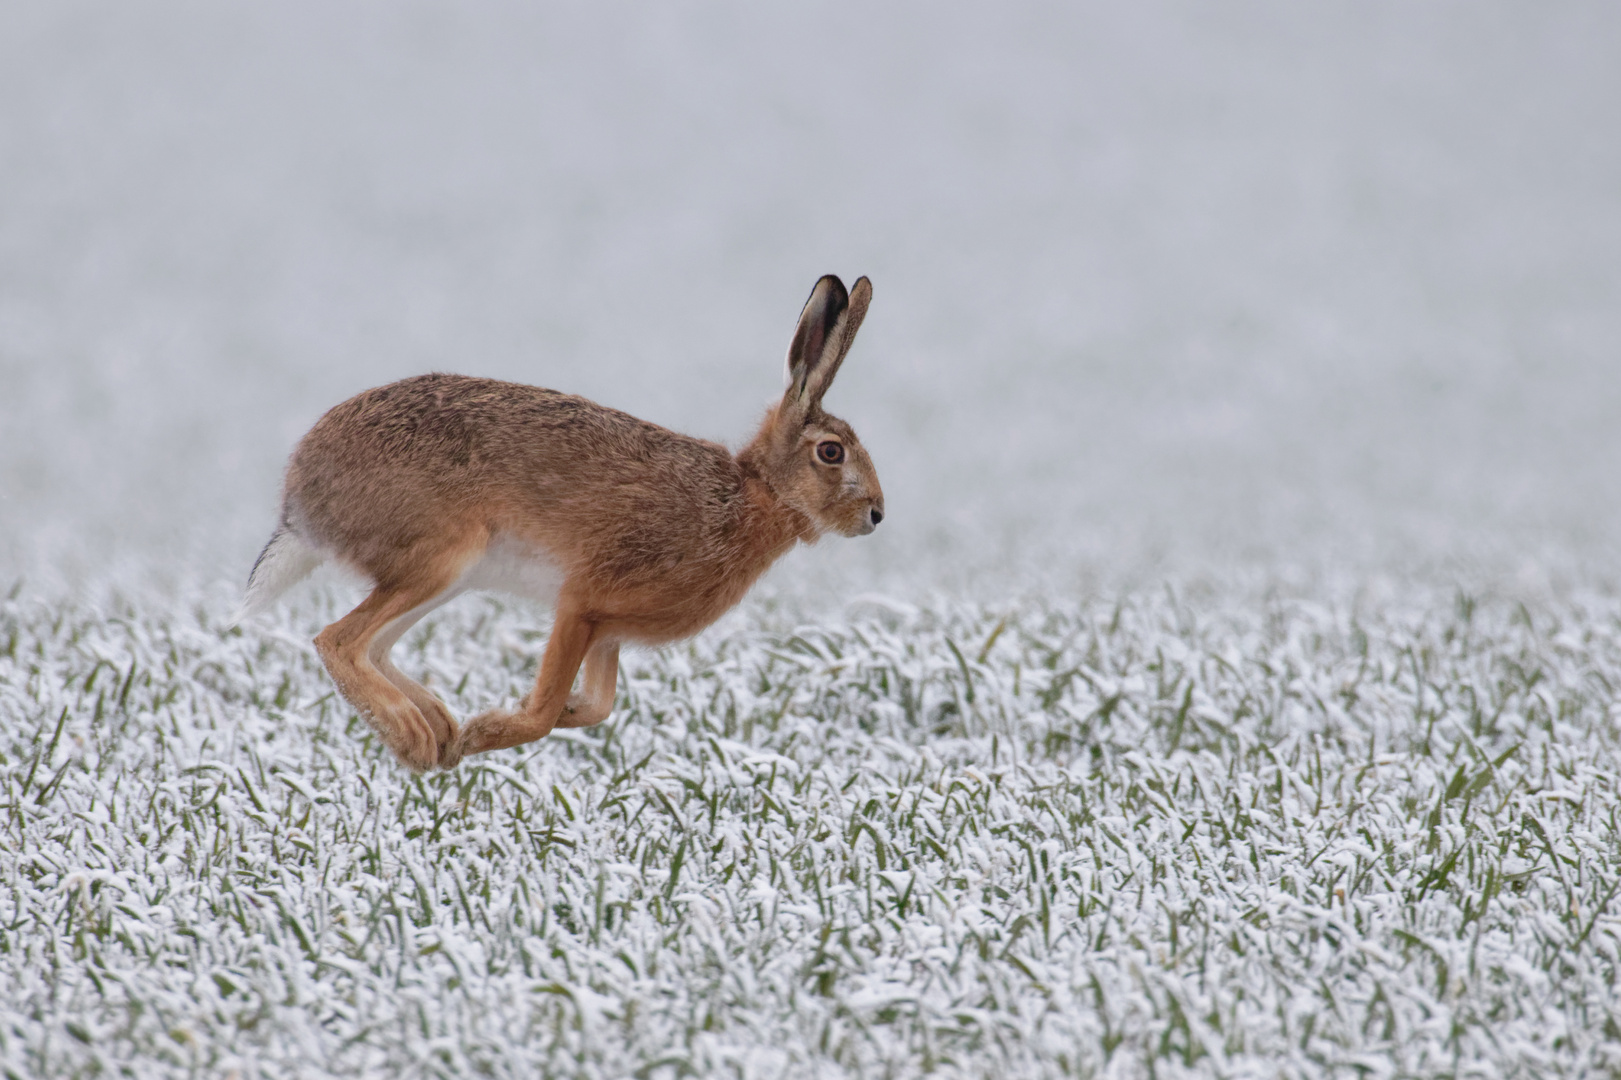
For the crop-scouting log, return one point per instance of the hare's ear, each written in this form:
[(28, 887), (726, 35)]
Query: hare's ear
[(827, 327)]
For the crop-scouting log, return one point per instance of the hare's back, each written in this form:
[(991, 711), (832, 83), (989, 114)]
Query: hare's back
[(393, 463)]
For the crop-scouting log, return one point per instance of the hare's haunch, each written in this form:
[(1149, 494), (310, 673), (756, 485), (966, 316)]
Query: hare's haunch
[(442, 483)]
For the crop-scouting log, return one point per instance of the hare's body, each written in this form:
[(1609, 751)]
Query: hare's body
[(443, 483), (511, 487)]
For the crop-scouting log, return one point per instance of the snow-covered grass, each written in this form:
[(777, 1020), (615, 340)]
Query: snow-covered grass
[(1230, 831)]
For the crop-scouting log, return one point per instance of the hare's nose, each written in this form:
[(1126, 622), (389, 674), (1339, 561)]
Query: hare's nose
[(877, 516)]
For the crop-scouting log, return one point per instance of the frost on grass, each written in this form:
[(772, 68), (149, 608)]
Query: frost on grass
[(1238, 834)]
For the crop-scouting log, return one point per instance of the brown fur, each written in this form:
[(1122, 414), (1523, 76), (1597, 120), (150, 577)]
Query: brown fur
[(654, 534)]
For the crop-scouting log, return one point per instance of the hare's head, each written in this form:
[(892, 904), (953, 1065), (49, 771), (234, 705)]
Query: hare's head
[(813, 461)]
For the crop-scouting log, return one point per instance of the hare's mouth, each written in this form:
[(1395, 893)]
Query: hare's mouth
[(866, 523)]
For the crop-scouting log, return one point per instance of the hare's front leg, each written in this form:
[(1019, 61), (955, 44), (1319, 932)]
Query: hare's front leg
[(543, 708), (601, 679)]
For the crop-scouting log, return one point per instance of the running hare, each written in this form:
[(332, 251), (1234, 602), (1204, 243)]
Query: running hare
[(442, 483)]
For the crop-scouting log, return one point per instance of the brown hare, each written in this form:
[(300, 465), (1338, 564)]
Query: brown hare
[(438, 484)]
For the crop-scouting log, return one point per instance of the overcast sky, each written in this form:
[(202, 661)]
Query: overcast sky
[(1156, 285)]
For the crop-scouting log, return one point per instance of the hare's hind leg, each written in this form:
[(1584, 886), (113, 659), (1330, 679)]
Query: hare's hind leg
[(350, 650), (544, 708), (432, 709)]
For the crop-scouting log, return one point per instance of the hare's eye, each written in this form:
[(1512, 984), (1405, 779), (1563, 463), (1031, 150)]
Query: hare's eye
[(830, 452)]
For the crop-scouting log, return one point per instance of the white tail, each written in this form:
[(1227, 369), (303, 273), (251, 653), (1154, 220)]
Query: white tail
[(286, 560)]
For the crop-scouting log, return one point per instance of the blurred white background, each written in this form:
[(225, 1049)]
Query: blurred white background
[(1158, 286)]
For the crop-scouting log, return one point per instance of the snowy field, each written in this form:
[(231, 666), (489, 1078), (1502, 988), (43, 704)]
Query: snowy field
[(1231, 689), (1240, 835)]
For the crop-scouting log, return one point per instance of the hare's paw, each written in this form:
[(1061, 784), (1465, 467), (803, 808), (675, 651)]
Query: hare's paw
[(494, 730), (433, 710), (450, 753), (446, 732), (476, 736), (408, 733)]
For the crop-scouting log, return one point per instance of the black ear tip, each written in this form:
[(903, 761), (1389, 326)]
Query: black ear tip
[(827, 304), (830, 286)]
